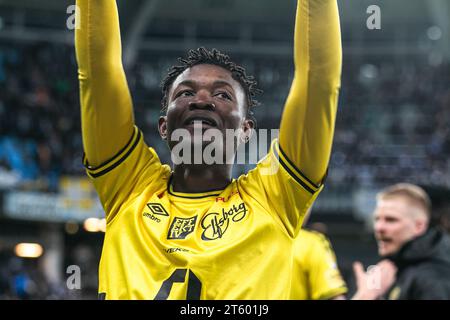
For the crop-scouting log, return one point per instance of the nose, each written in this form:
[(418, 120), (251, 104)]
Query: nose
[(202, 100), (379, 226), (202, 104)]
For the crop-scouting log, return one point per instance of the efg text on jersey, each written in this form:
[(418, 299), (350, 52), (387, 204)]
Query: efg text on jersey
[(226, 310)]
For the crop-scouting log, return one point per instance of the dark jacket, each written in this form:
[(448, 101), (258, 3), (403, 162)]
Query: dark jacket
[(423, 268)]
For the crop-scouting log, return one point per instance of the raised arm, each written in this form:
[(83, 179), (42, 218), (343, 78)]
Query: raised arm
[(307, 125), (106, 106)]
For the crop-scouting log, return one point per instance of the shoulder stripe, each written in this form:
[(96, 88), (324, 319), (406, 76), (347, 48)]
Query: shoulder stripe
[(292, 174), (293, 171), (297, 171), (117, 159)]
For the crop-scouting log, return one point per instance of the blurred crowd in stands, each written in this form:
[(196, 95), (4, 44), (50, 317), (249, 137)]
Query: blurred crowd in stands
[(392, 124), (39, 122)]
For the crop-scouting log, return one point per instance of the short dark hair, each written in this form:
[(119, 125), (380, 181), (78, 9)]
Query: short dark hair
[(204, 56)]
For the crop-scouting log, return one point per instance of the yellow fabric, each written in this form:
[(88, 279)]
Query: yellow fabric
[(235, 243), (106, 106), (315, 276), (307, 124)]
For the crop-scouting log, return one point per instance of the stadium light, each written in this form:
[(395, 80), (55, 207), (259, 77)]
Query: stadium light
[(95, 225), (102, 225), (91, 225), (28, 250)]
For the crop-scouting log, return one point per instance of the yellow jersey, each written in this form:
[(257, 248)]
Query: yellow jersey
[(316, 275), (235, 243)]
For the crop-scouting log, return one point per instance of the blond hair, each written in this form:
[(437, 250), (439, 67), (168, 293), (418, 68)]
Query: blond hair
[(414, 194)]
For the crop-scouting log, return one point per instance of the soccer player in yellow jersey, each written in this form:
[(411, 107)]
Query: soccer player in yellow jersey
[(190, 231), (315, 275)]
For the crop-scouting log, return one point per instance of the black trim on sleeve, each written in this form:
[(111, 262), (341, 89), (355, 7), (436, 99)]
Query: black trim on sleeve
[(298, 170), (108, 169), (292, 174), (107, 162)]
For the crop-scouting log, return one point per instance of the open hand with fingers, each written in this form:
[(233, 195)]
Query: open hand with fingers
[(375, 282)]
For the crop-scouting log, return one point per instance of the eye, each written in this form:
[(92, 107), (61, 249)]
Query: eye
[(185, 93), (391, 219), (224, 95)]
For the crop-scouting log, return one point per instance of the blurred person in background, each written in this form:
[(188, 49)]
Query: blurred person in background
[(416, 256), (316, 269), (316, 275)]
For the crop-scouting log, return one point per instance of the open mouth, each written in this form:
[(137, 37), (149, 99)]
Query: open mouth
[(384, 241), (201, 121)]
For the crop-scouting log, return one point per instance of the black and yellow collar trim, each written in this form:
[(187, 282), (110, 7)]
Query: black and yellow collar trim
[(197, 195)]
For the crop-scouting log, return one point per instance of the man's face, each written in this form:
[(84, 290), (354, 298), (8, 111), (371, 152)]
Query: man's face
[(205, 96), (394, 225)]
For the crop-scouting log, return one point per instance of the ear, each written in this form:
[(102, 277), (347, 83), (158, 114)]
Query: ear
[(162, 127), (247, 130), (421, 226)]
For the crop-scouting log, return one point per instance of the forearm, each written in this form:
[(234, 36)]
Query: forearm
[(308, 121), (106, 107)]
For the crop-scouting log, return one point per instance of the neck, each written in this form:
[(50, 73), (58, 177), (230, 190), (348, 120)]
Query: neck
[(200, 178)]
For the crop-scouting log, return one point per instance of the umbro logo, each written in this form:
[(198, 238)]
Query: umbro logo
[(157, 208)]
